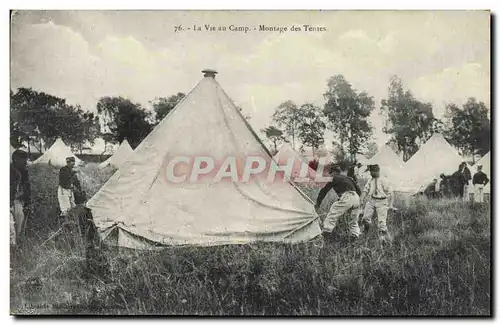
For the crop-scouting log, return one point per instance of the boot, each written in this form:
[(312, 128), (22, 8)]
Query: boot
[(365, 226)]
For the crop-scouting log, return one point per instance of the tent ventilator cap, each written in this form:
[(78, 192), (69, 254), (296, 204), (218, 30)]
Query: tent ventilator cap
[(209, 73)]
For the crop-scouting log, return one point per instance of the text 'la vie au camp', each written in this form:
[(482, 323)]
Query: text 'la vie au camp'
[(248, 29)]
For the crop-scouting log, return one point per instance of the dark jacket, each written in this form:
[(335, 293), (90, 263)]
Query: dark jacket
[(467, 174), (480, 178), (352, 173), (68, 178), (340, 185), (20, 187)]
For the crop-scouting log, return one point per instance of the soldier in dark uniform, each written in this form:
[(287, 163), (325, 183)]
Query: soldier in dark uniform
[(348, 203), (20, 195)]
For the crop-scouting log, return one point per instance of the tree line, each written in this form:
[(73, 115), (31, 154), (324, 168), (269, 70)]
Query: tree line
[(409, 122), (38, 118)]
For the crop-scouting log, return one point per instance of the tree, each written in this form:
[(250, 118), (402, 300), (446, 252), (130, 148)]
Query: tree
[(89, 130), (124, 120), (311, 127), (347, 112), (339, 153), (40, 118), (469, 128), (162, 106), (287, 117), (34, 116), (371, 149), (410, 121), (274, 135)]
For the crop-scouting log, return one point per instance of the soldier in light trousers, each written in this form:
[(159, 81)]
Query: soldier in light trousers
[(480, 180), (348, 202), (377, 197), (68, 183)]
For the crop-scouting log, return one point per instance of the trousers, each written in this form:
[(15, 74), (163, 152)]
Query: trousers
[(66, 199), (347, 203), (17, 221), (479, 193), (467, 190), (381, 207)]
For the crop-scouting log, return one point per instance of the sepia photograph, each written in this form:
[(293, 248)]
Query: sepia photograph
[(250, 163)]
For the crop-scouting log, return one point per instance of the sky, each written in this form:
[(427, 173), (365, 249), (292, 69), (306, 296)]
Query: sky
[(441, 56)]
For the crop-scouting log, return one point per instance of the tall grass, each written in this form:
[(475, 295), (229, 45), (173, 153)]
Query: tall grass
[(438, 264)]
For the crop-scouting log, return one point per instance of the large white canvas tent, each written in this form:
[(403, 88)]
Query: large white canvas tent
[(140, 208), (485, 161), (57, 154), (435, 157), (287, 153), (119, 157)]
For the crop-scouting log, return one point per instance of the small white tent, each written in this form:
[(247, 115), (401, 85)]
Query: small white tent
[(119, 157), (287, 153), (56, 155), (139, 207), (435, 157), (485, 161), (386, 158)]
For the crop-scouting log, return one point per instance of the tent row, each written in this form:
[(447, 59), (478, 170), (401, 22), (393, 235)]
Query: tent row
[(435, 157), (59, 151)]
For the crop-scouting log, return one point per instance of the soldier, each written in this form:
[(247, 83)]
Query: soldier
[(467, 179), (348, 192), (68, 184), (377, 197), (430, 191), (479, 181), (20, 195)]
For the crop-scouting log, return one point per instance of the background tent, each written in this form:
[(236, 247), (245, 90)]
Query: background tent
[(485, 161), (391, 166), (286, 152), (139, 207), (119, 157), (435, 157), (57, 155)]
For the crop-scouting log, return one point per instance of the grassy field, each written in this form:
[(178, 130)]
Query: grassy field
[(438, 264)]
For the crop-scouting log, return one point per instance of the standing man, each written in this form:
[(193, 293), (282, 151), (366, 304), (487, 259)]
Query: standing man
[(20, 195), (377, 197), (479, 181), (458, 180), (348, 192), (467, 177), (68, 183)]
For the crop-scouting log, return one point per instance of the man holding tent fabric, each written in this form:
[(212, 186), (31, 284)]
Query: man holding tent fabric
[(348, 203)]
